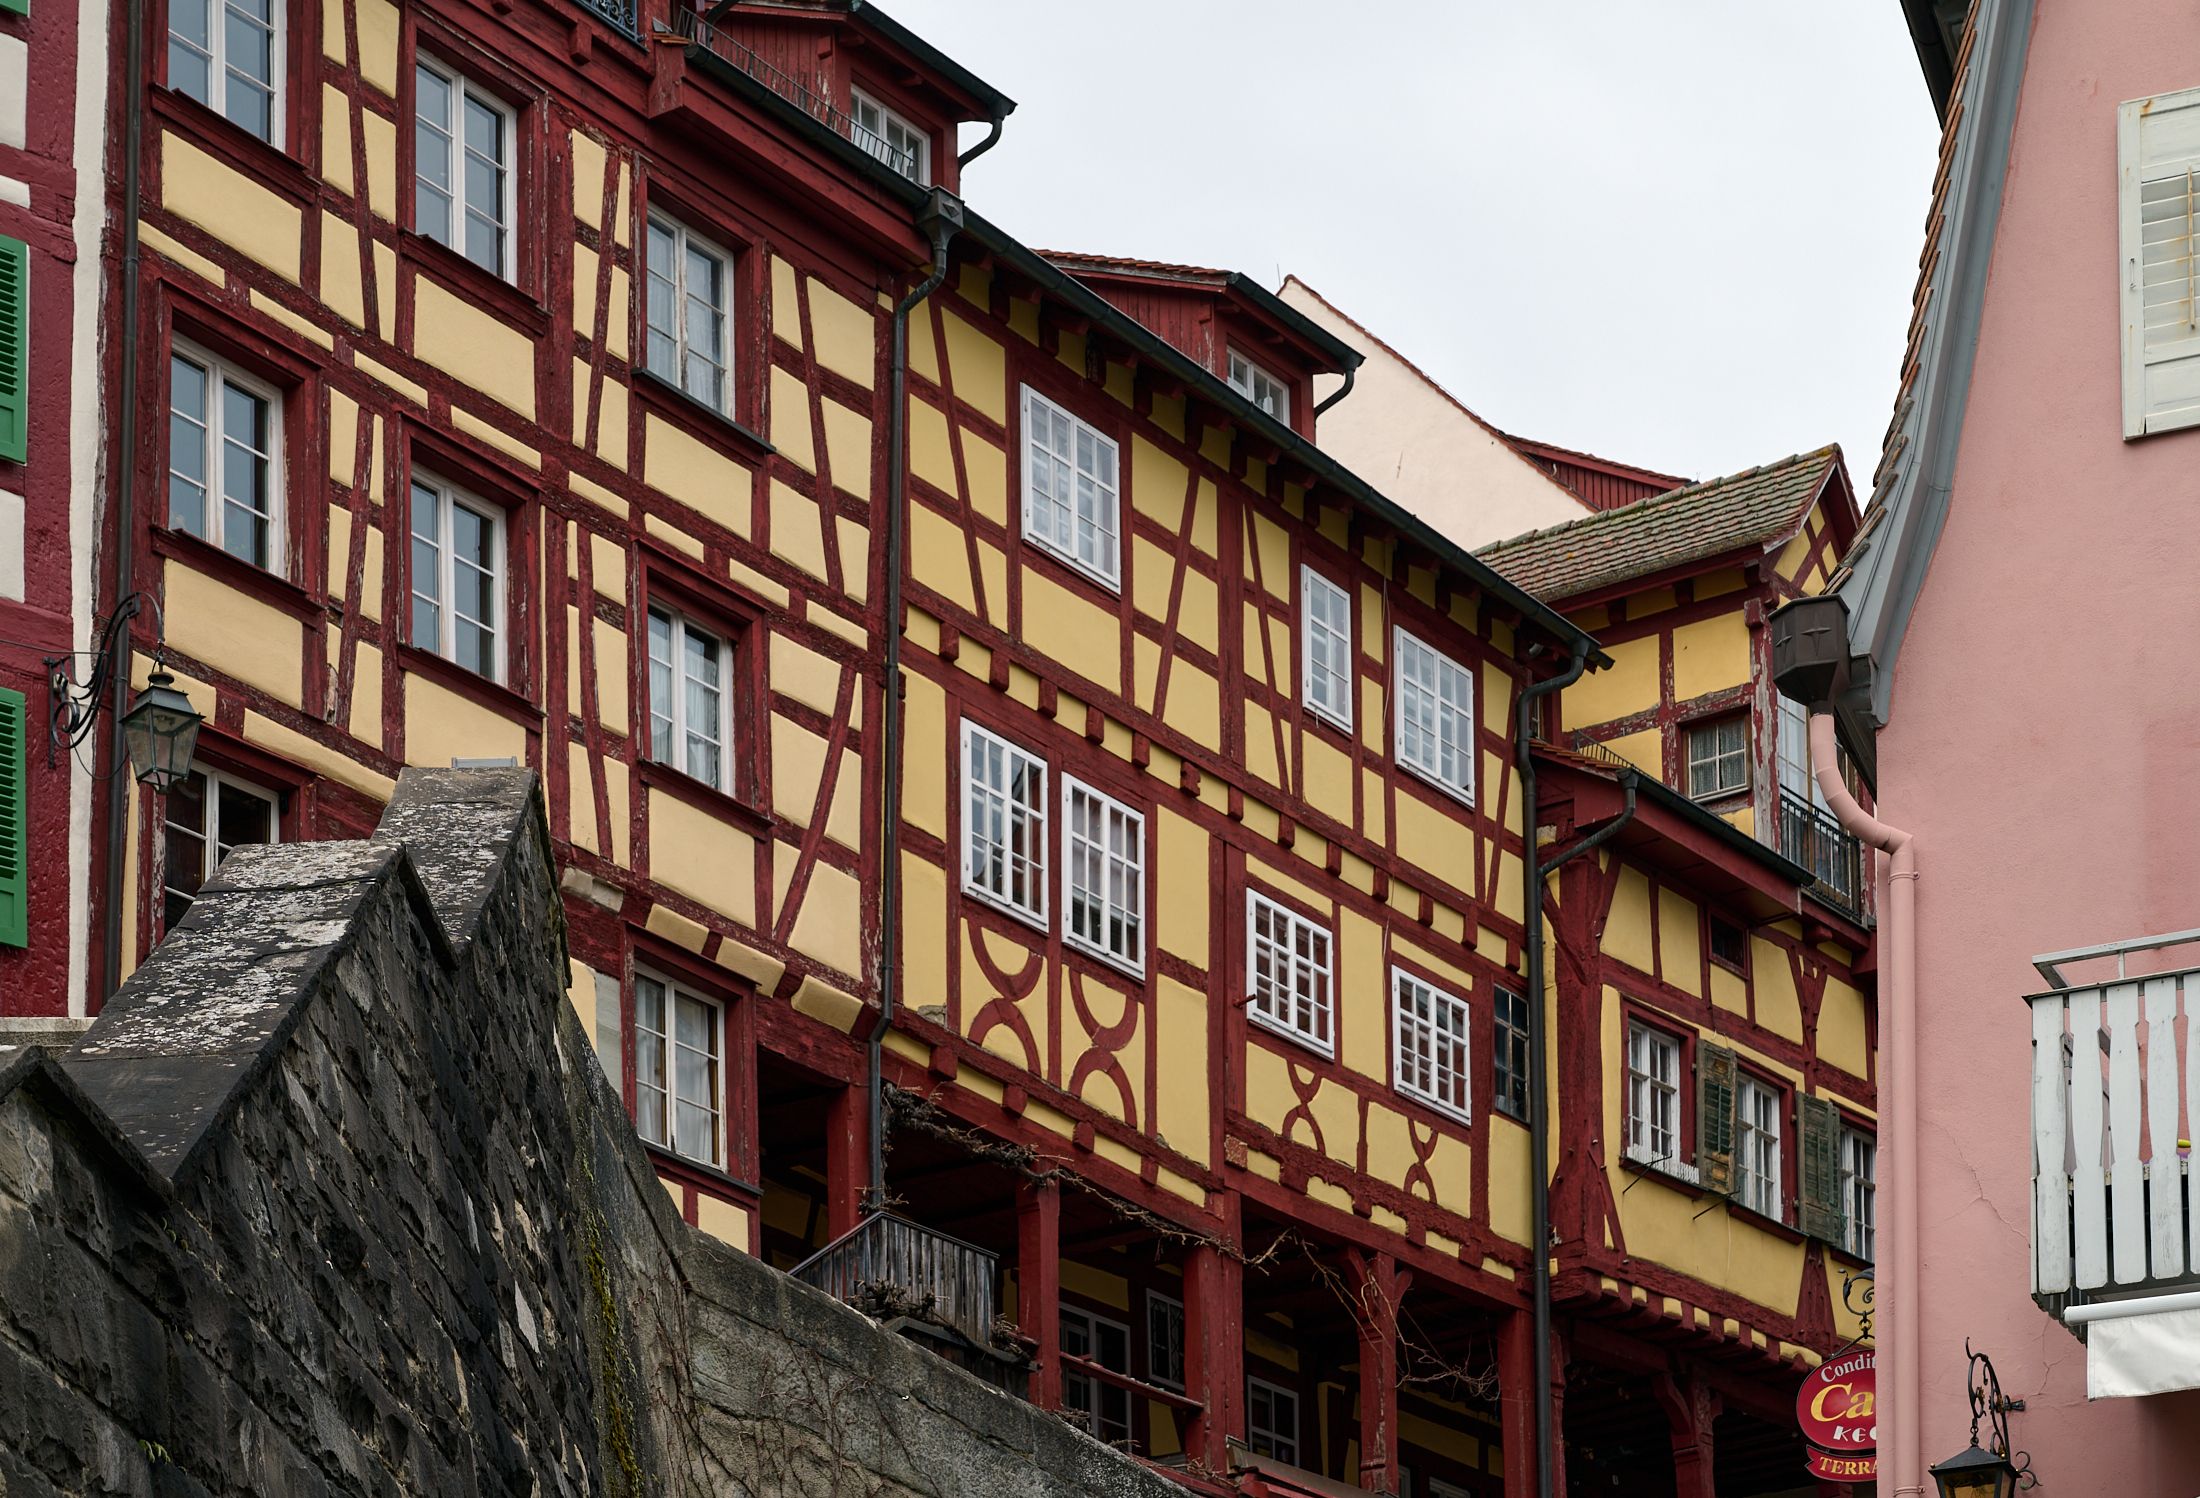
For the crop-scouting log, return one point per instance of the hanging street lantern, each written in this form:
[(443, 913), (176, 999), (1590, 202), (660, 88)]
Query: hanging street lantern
[(1986, 1471), (161, 730)]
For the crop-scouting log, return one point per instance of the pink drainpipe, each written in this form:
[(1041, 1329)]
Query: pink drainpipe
[(1900, 1471)]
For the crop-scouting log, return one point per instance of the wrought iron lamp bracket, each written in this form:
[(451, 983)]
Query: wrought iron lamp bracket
[(1989, 1404)]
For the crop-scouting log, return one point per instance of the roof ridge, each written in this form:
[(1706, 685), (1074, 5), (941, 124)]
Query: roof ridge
[(1831, 452)]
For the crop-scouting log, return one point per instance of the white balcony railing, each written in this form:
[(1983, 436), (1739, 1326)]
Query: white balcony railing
[(2115, 1102)]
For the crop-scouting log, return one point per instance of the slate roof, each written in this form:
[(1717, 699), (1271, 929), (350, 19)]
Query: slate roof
[(1752, 508)]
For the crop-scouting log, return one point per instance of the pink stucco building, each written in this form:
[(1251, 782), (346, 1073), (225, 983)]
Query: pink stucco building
[(2021, 640)]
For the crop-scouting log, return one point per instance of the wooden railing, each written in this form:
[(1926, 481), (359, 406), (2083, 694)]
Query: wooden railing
[(2115, 1101), (889, 1266), (809, 96)]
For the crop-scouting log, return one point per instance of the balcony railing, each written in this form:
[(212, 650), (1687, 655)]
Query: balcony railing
[(619, 13), (889, 1266), (805, 96), (2115, 1099), (1814, 838)]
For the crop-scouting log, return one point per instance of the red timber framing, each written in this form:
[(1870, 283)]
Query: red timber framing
[(1182, 1201)]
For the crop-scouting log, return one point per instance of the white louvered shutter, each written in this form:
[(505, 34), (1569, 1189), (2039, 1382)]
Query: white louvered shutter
[(2158, 204)]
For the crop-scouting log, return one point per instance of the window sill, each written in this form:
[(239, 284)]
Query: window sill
[(1035, 920), (705, 423), (495, 696), (1120, 967), (487, 289), (1075, 570), (704, 796), (1464, 795), (271, 166), (1666, 1175), (1304, 1043), (697, 1172), (1325, 724), (1458, 1118), (204, 556), (1758, 1220)]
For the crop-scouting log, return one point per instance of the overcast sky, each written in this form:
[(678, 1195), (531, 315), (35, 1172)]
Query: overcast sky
[(1681, 233)]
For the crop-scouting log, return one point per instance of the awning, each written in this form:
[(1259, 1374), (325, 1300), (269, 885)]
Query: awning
[(2131, 1351)]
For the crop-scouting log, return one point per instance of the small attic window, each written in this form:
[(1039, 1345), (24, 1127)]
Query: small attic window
[(892, 139), (1259, 386)]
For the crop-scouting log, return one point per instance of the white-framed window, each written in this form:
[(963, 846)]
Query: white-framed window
[(1435, 713), (679, 1069), (1325, 648), (228, 55), (1509, 1067), (457, 576), (1272, 1421), (208, 814), (1859, 1190), (690, 706), (225, 469), (1287, 962), (463, 182), (892, 138), (1104, 846), (690, 338), (1260, 387), (1757, 1146), (1103, 1409), (1654, 1098), (1428, 1029), (1718, 758), (1164, 1340), (2157, 161), (1004, 824), (1071, 490)]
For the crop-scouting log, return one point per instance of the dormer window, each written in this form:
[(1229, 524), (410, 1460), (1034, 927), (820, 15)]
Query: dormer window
[(1259, 386), (892, 139)]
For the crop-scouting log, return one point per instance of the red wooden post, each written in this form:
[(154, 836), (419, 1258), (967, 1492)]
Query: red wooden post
[(1690, 1409), (847, 1159), (1039, 1283), (1516, 1405), (1214, 1352), (1381, 1285)]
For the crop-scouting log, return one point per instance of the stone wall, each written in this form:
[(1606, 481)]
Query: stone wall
[(334, 1198)]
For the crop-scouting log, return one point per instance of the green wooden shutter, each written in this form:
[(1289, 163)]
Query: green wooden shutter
[(1820, 1152), (1716, 1070), (15, 346), (15, 813), (20, 7)]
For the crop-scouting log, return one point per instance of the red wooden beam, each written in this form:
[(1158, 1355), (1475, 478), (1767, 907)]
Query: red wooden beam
[(1214, 1352), (1039, 1283)]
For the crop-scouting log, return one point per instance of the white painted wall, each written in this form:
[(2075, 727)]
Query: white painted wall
[(1403, 434)]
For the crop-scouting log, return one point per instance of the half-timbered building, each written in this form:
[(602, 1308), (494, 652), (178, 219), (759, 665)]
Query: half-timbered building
[(1043, 841)]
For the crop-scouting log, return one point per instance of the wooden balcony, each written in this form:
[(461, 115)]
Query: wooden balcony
[(892, 1268)]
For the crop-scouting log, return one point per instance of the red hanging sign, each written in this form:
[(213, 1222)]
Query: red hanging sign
[(1838, 1410)]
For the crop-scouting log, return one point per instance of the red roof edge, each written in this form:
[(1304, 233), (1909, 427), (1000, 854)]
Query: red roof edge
[(1573, 457)]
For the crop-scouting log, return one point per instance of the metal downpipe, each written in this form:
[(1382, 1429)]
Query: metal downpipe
[(941, 217), (1539, 1148)]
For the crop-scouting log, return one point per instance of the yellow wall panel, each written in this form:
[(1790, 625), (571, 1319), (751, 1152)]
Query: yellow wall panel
[(925, 767), (366, 695), (233, 632), (1451, 1163), (807, 677), (1779, 1007), (978, 367), (1680, 943), (378, 44), (1260, 744), (1270, 545), (380, 135), (848, 444), (786, 308), (441, 726), (938, 556), (230, 206), (1362, 997), (797, 529), (798, 764), (1627, 929), (1511, 1203), (336, 130), (1157, 483), (1431, 839), (985, 468), (452, 335), (846, 334), (698, 855), (1182, 854), (1628, 685), (1841, 1028), (1061, 625), (830, 926), (930, 457), (700, 477), (587, 156), (1710, 655), (790, 420), (1646, 749), (1326, 777), (924, 354), (1194, 707)]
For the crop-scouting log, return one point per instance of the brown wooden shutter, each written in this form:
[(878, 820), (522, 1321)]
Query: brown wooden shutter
[(15, 811), (1716, 1071), (1820, 1152)]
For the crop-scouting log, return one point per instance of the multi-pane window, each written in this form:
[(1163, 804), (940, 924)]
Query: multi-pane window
[(1653, 1096), (1071, 492), (1429, 1041), (1510, 1072), (224, 468), (1325, 654), (209, 813), (1729, 944), (690, 287), (1435, 712), (1102, 1408), (1757, 1146), (228, 55), (1718, 758), (1272, 1421), (1259, 386), (1164, 1340), (892, 139), (457, 570), (1288, 963), (689, 716), (1104, 846), (462, 167), (1004, 823), (679, 1073), (1859, 1163)]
